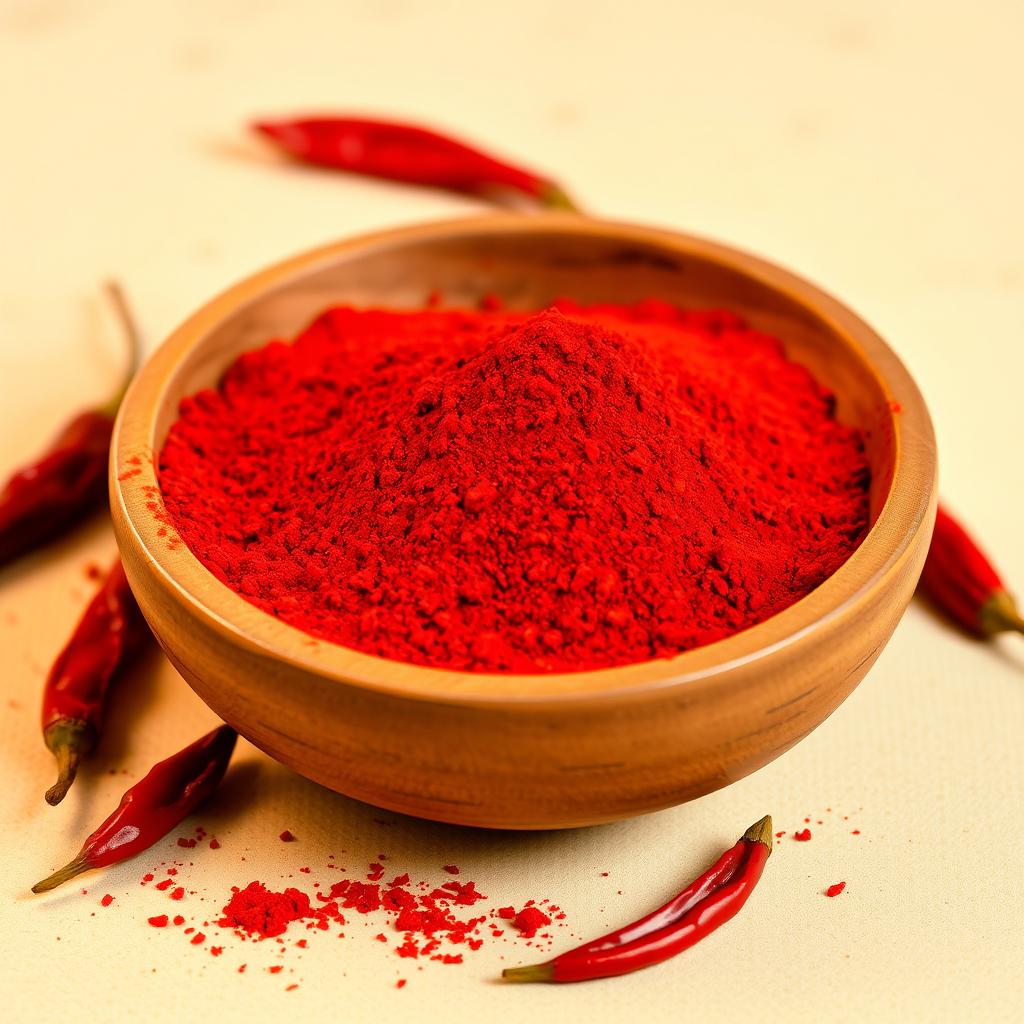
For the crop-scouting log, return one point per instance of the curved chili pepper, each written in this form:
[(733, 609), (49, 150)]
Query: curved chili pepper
[(407, 153), (153, 806), (69, 481), (110, 632), (960, 581), (703, 906)]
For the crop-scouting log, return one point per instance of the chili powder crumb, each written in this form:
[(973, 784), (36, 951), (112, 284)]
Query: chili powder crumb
[(529, 920), (258, 911), (835, 890), (674, 479), (286, 837), (802, 836), (107, 900), (160, 921)]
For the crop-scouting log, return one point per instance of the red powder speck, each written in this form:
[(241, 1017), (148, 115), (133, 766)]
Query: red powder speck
[(160, 921), (197, 938), (276, 969), (216, 950), (188, 844), (400, 983), (507, 912), (93, 571), (835, 890), (178, 893), (214, 845), (241, 969), (529, 920), (257, 910), (381, 937), (802, 836), (165, 884), (376, 872), (286, 837), (779, 835), (855, 832), (148, 877), (604, 874), (178, 919), (452, 869), (107, 900), (291, 988)]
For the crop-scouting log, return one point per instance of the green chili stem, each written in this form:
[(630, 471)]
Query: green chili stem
[(115, 294), (532, 972), (76, 867)]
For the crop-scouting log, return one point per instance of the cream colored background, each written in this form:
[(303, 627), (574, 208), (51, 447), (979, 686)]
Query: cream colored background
[(875, 147)]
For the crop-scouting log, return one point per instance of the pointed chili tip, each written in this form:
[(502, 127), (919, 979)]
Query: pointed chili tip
[(760, 832), (999, 614), (66, 873), (277, 131), (532, 972)]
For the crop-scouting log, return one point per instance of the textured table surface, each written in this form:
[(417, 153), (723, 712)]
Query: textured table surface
[(873, 151)]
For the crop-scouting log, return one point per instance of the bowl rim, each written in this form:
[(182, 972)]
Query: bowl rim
[(883, 549)]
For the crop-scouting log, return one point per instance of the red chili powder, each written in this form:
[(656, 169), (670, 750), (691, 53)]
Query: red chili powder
[(573, 489), (257, 910), (802, 836), (529, 920), (835, 890)]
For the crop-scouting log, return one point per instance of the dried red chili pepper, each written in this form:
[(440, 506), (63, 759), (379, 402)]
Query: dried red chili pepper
[(703, 906), (153, 806), (960, 580), (109, 633), (69, 481), (403, 152)]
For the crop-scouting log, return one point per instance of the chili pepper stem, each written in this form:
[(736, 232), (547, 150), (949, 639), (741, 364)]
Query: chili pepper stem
[(999, 614), (69, 740), (532, 972), (126, 319), (66, 873), (556, 198), (761, 832)]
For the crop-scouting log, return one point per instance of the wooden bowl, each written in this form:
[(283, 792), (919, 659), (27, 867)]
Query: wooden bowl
[(543, 751)]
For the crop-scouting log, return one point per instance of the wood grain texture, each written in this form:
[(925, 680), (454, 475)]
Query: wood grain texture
[(530, 751)]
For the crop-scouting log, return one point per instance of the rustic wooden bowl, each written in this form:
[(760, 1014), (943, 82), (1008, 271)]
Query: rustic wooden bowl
[(529, 752)]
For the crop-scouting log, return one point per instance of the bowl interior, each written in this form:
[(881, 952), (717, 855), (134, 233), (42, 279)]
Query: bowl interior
[(529, 270), (529, 262)]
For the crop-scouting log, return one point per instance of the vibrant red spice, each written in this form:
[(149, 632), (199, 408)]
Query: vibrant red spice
[(802, 836), (673, 479), (107, 900), (835, 890), (160, 921), (258, 911), (286, 837), (530, 920)]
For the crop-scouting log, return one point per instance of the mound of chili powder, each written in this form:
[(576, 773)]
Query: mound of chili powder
[(573, 489)]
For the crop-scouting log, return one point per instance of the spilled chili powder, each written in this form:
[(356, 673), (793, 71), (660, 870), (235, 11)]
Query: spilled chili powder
[(577, 488)]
